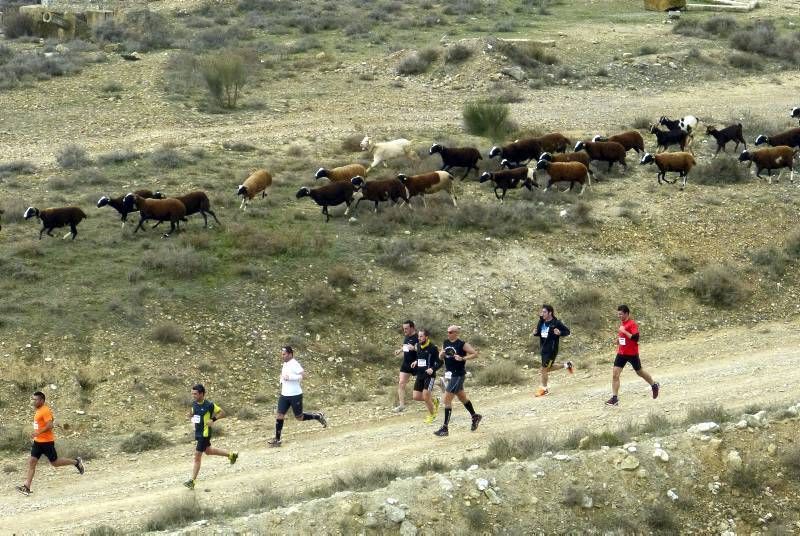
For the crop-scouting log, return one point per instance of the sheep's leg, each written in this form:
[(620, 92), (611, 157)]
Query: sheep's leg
[(205, 219), (424, 203), (154, 225), (40, 232), (325, 213), (376, 207), (609, 166), (684, 180), (496, 194), (466, 173), (452, 195), (73, 230), (243, 204), (215, 216), (355, 208), (172, 227), (583, 188), (141, 221)]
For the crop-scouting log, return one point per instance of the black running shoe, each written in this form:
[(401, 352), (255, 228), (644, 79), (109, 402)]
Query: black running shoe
[(655, 387), (441, 432), (274, 442), (613, 401), (476, 419), (322, 420), (25, 490), (79, 465)]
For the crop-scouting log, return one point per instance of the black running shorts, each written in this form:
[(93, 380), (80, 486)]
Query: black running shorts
[(202, 444), (295, 402), (48, 449), (456, 384), (424, 383), (621, 360), (547, 362), (405, 366)]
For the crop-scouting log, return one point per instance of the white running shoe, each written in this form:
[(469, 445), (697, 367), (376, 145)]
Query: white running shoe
[(399, 409)]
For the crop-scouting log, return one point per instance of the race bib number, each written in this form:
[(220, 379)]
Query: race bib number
[(545, 332), (422, 363), (448, 375), (35, 425), (622, 341), (195, 419)]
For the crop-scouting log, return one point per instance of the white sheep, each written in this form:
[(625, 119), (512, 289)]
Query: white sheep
[(387, 150)]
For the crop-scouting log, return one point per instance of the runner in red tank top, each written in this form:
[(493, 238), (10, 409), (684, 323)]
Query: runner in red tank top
[(628, 352)]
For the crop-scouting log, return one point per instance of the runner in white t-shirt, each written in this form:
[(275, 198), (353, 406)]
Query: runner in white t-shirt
[(291, 395)]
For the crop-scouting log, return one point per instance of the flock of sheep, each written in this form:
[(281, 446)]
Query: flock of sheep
[(348, 183)]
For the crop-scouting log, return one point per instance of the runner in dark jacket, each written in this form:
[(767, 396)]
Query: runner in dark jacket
[(549, 330)]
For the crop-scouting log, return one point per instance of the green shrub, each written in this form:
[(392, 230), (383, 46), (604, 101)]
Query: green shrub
[(167, 333), (641, 122), (656, 423), (718, 285), (771, 259), (526, 54), (606, 438), (17, 167), (719, 171), (17, 24), (661, 519), (502, 373), (488, 119), (477, 518), (103, 530), (432, 466), (747, 477), (526, 446), (457, 54), (178, 513), (747, 62), (398, 254), (572, 497), (181, 262), (792, 246), (72, 156), (791, 462), (166, 158), (340, 276), (646, 50), (225, 75), (316, 298), (707, 413), (143, 441), (417, 62)]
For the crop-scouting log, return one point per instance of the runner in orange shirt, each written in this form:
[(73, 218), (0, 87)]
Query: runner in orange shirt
[(44, 443)]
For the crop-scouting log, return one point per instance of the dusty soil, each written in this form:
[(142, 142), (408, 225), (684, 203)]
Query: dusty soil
[(735, 367)]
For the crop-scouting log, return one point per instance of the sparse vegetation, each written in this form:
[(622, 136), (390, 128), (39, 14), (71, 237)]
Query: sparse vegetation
[(488, 119), (718, 285), (167, 333), (707, 413), (225, 75), (72, 156), (526, 446), (502, 373), (791, 462), (719, 171), (747, 477), (178, 513), (457, 54), (417, 62), (143, 441), (661, 519)]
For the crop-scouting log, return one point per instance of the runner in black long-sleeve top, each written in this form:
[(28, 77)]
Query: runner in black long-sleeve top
[(549, 330)]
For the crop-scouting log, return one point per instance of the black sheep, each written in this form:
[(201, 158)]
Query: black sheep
[(52, 218), (329, 195), (729, 133), (789, 138), (518, 152), (510, 179), (378, 190), (665, 139), (117, 204), (466, 157)]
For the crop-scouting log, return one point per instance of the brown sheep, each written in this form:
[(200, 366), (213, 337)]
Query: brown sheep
[(630, 139), (258, 181), (170, 209), (377, 191), (682, 163), (771, 158), (604, 151), (572, 172), (581, 156), (342, 173), (429, 183)]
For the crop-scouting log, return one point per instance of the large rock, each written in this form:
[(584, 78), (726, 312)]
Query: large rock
[(408, 529), (394, 514), (704, 428), (734, 460), (516, 72)]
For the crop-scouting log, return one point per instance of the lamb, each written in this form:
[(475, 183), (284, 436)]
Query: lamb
[(342, 173), (795, 113), (665, 139), (196, 201), (117, 204), (57, 217), (604, 151), (729, 133), (790, 138), (258, 181), (572, 172), (387, 150), (169, 209), (581, 157), (680, 162), (429, 183), (464, 157), (630, 139), (518, 152), (510, 179), (329, 195), (377, 191), (771, 158), (686, 124)]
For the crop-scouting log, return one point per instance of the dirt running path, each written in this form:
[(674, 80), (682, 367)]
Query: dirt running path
[(736, 367)]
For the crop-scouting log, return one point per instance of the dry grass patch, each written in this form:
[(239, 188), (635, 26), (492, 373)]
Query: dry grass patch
[(167, 333), (143, 441), (718, 285), (502, 373)]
